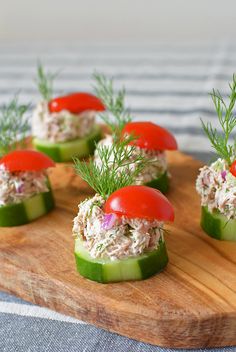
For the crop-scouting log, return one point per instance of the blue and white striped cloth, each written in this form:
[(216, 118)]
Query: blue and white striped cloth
[(165, 84)]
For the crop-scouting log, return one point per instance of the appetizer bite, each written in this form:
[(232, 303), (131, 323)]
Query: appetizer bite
[(25, 192), (216, 183), (119, 233), (64, 127), (148, 138)]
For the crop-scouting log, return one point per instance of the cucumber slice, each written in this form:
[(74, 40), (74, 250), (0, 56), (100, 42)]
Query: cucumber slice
[(218, 226), (135, 268), (162, 183), (66, 151), (26, 211)]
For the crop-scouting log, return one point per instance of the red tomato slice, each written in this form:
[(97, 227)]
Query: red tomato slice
[(233, 168), (76, 103), (150, 136), (26, 160), (140, 202)]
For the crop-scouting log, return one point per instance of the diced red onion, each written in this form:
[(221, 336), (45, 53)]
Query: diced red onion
[(19, 187), (223, 175), (109, 221)]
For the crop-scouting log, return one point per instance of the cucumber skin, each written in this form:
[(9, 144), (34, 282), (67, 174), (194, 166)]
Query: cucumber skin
[(147, 265), (16, 215), (218, 226), (13, 215), (55, 150), (49, 201), (161, 183)]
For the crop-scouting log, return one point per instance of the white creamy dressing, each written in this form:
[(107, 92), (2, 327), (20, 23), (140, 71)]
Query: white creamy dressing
[(217, 188), (18, 186), (156, 167), (61, 126), (125, 238)]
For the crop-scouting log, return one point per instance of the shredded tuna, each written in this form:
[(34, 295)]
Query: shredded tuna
[(217, 188), (126, 238), (18, 186), (61, 126), (156, 167)]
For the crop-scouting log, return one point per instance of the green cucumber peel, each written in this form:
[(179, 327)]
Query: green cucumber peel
[(217, 225), (133, 268)]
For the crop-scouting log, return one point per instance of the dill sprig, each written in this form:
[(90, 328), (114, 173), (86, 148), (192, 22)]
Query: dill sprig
[(44, 82), (227, 119), (14, 126), (116, 168), (117, 115)]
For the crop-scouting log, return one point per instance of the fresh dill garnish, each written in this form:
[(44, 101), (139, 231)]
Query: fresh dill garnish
[(117, 167), (14, 126), (44, 82), (227, 119), (117, 115)]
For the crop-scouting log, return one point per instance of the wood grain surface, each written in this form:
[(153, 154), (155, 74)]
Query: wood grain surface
[(191, 304)]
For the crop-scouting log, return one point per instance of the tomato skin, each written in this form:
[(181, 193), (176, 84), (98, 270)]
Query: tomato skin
[(140, 202), (26, 160), (76, 103), (233, 168), (150, 136)]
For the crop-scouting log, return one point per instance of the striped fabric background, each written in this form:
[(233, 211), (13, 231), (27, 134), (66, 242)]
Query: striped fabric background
[(165, 84), (168, 85)]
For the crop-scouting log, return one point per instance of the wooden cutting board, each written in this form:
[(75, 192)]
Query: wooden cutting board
[(191, 304)]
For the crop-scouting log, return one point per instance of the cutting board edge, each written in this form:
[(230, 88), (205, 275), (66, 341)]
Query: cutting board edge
[(106, 321)]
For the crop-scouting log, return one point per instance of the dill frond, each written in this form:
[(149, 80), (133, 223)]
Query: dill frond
[(117, 115), (14, 126), (227, 120), (44, 82), (116, 170)]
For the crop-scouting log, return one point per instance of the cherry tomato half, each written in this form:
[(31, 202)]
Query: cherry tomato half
[(140, 202), (26, 160), (150, 136), (76, 103), (233, 168)]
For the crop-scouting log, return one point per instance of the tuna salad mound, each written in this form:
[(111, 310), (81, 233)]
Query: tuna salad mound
[(217, 188), (18, 186), (107, 236), (61, 126), (156, 166)]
